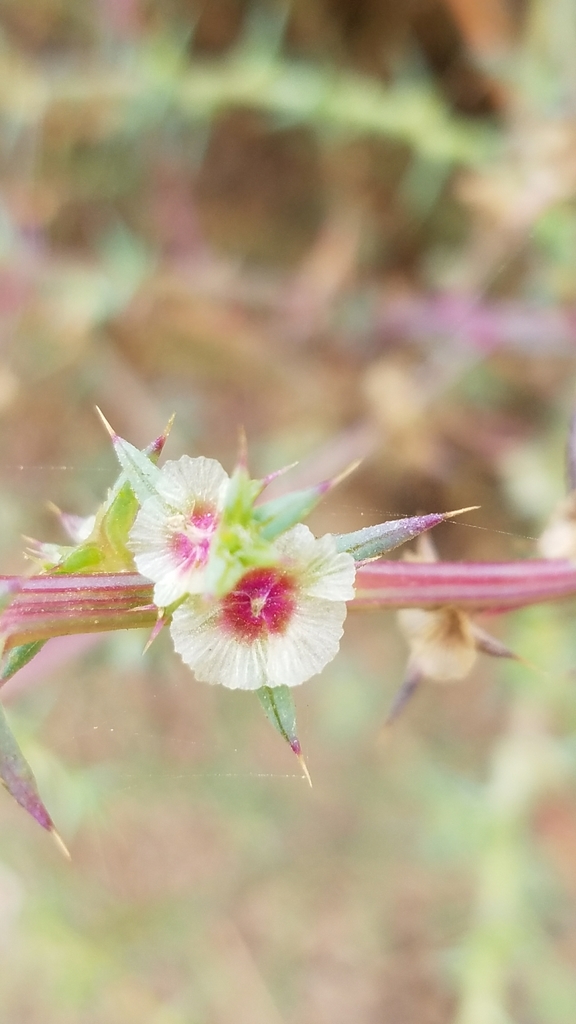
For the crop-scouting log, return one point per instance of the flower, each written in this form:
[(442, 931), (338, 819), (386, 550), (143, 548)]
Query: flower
[(442, 641), (278, 625), (172, 533), (559, 538)]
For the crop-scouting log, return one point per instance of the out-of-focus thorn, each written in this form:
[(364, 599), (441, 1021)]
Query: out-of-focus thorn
[(571, 454), (78, 528), (104, 421), (277, 472), (158, 445), (60, 843), (488, 644), (347, 471), (295, 746), (157, 629), (404, 694), (242, 460), (328, 485), (38, 550)]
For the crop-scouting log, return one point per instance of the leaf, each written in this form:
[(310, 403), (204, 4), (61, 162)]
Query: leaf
[(18, 657), (279, 514), (141, 473), (17, 777), (279, 709), (374, 541), (105, 549)]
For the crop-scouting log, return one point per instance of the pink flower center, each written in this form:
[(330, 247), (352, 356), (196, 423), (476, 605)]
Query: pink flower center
[(261, 603), (191, 546)]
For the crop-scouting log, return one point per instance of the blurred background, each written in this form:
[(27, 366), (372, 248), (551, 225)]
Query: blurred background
[(350, 226)]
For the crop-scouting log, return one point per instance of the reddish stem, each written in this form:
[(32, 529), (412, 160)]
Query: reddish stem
[(58, 605), (48, 606), (497, 586)]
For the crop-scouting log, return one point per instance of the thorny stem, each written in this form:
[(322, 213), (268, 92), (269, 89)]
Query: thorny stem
[(49, 606), (493, 586), (56, 605)]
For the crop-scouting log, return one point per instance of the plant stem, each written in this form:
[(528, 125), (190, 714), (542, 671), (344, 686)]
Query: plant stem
[(496, 586)]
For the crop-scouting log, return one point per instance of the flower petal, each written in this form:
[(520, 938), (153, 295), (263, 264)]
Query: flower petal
[(150, 542), (186, 480), (310, 642), (162, 524), (325, 572), (212, 654)]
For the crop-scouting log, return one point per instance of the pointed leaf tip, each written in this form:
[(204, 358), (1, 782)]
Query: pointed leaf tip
[(375, 541), (304, 768), (60, 843), (156, 630), (277, 473), (488, 644), (460, 511), (278, 705), (346, 472), (404, 694), (139, 469), (110, 430), (242, 458), (297, 749), (17, 776), (157, 446)]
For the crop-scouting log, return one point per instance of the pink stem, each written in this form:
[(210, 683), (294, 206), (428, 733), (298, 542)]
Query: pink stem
[(48, 606), (57, 605), (497, 586)]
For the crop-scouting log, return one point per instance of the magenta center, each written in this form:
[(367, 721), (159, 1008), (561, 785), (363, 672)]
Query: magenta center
[(191, 545), (261, 603)]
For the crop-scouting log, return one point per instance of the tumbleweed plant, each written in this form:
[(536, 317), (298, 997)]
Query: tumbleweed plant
[(350, 226), (251, 598)]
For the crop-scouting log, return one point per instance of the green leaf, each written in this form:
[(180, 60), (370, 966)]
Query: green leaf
[(279, 514), (17, 777), (279, 709), (375, 541), (105, 550), (87, 557), (18, 657), (141, 473)]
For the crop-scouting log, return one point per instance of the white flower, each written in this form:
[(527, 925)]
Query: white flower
[(559, 537), (279, 625), (171, 535), (443, 642)]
